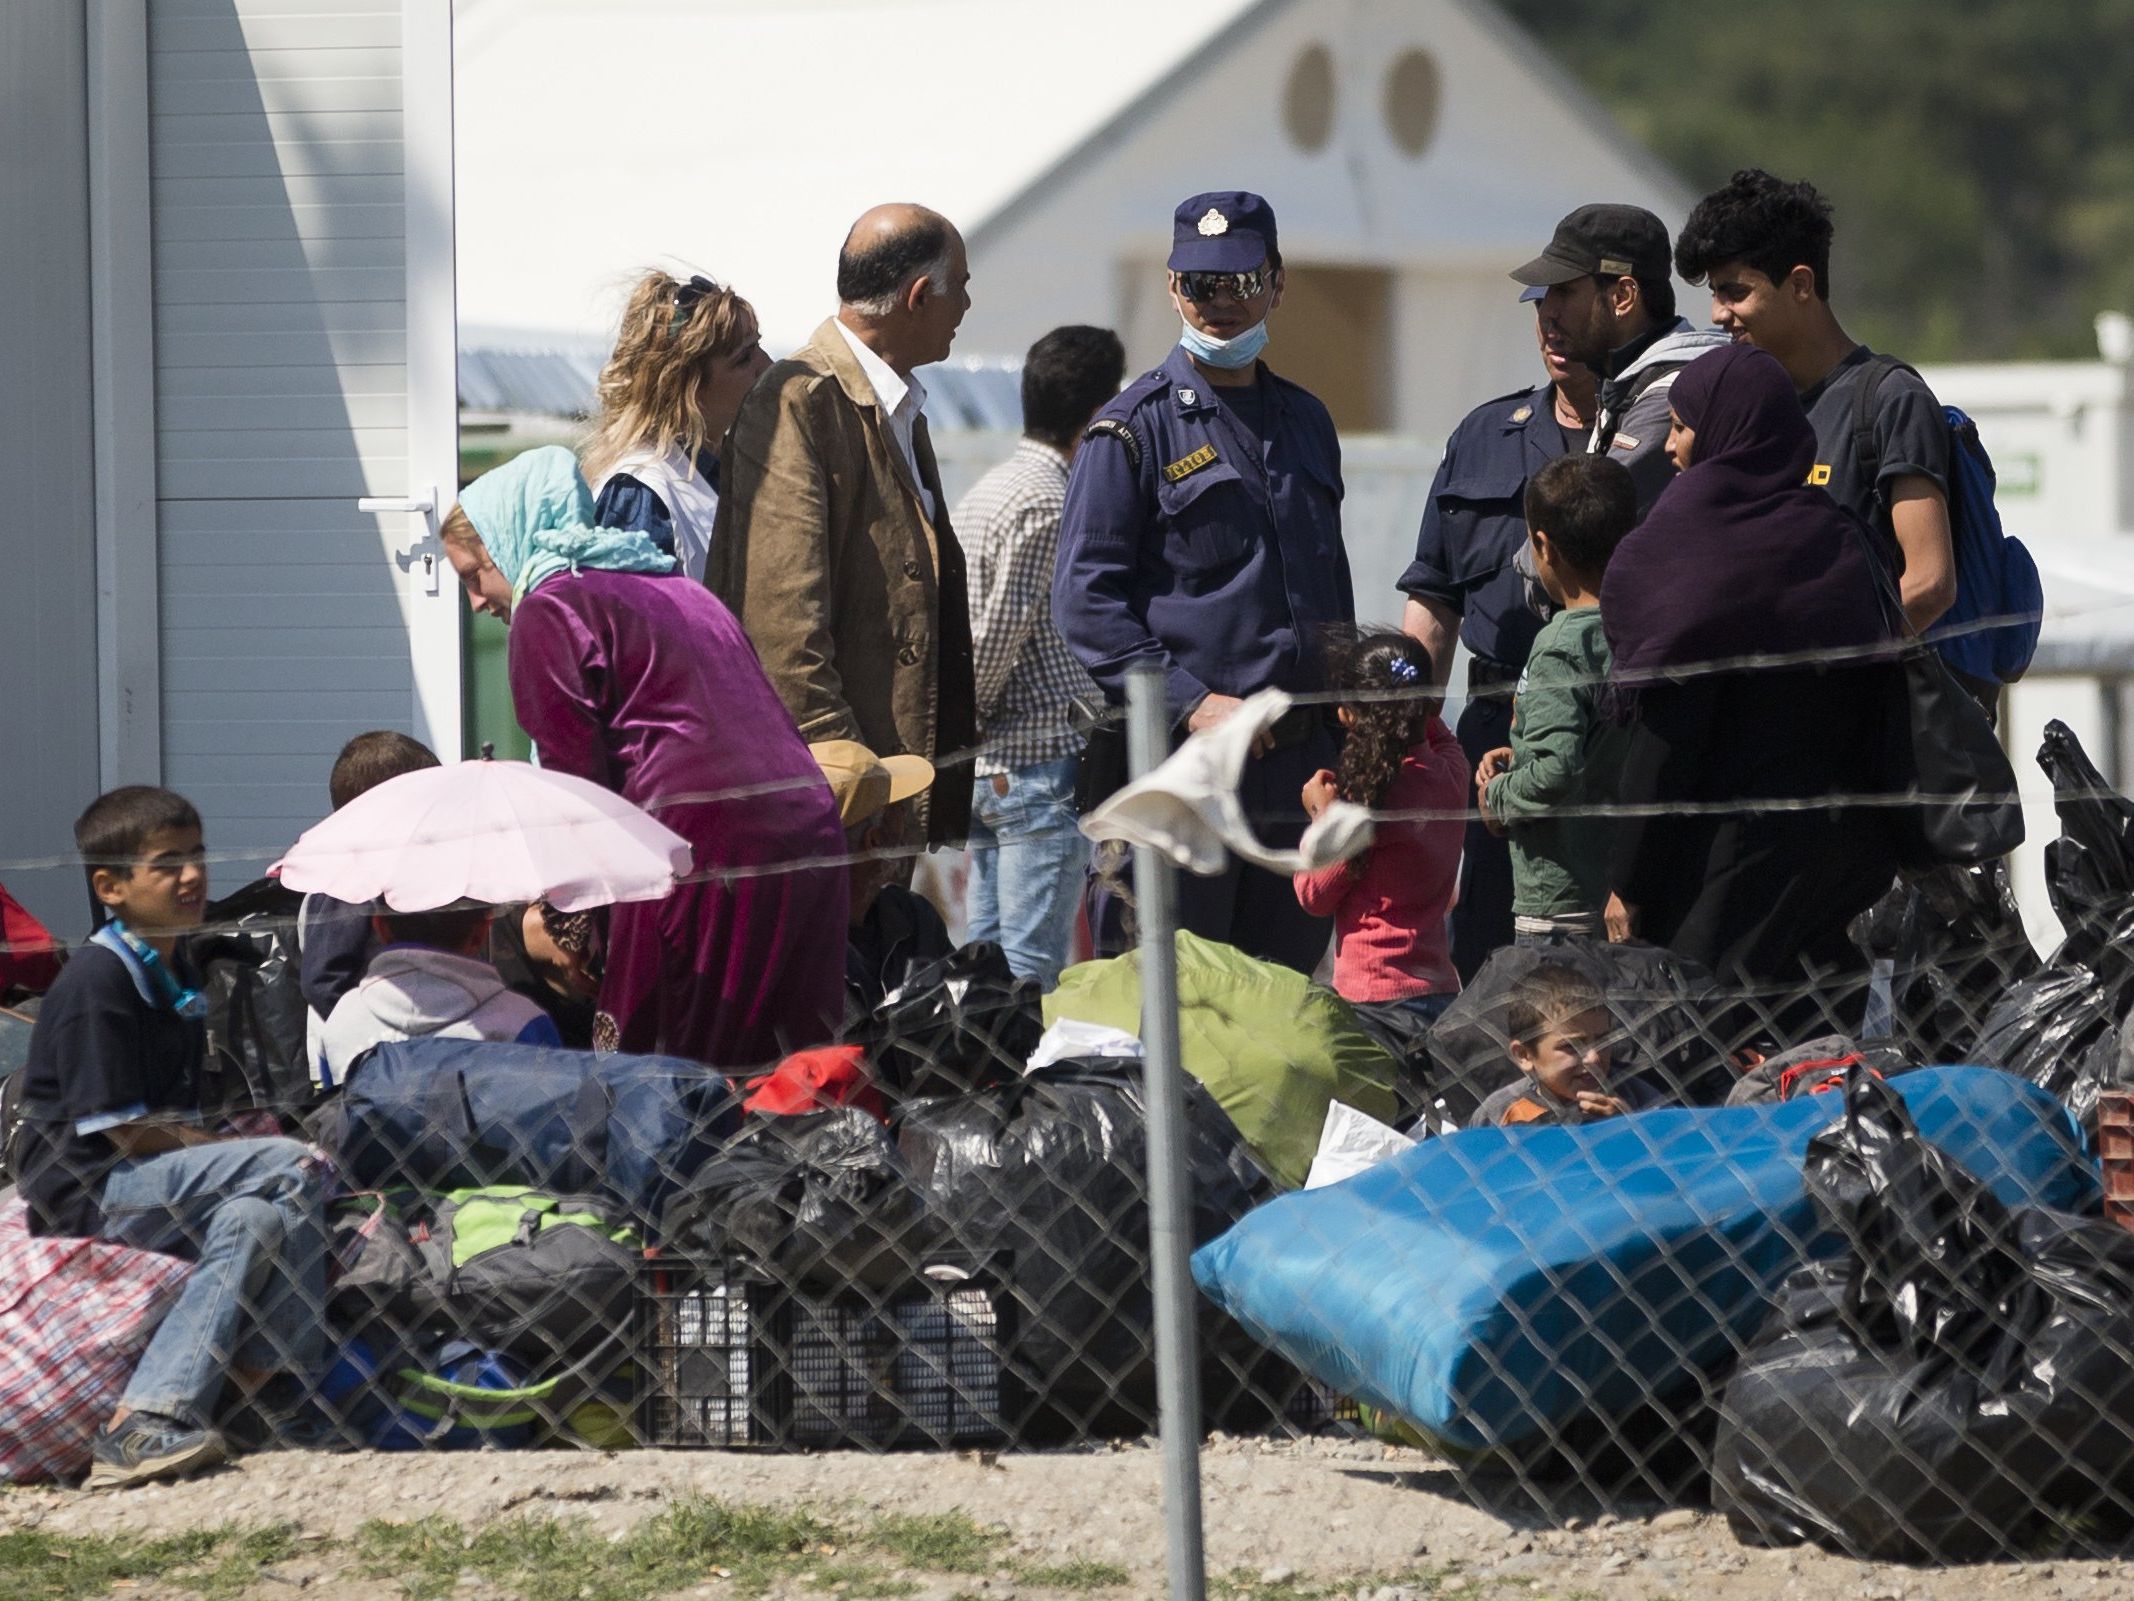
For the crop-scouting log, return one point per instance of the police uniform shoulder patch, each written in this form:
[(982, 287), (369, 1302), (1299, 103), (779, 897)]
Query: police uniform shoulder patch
[(1186, 466), (1113, 428), (1523, 413), (1189, 397)]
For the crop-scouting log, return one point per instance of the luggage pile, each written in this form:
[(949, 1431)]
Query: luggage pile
[(916, 1240), (1872, 1304)]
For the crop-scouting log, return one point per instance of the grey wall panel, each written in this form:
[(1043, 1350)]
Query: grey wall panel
[(281, 342), (48, 647)]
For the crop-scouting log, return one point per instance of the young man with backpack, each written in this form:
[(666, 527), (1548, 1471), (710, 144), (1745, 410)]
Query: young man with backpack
[(1886, 449)]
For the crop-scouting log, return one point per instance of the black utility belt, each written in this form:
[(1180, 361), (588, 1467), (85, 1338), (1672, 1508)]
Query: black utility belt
[(1484, 675)]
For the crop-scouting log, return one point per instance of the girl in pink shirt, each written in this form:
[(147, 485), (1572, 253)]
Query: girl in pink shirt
[(1392, 956)]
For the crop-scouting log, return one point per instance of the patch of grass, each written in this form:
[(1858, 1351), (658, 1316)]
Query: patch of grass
[(239, 1557), (547, 1559), (709, 1530), (36, 1566), (861, 1581), (48, 1567), (424, 1557), (1077, 1574), (947, 1542)]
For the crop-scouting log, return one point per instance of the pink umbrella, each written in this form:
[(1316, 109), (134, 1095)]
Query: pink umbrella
[(487, 831)]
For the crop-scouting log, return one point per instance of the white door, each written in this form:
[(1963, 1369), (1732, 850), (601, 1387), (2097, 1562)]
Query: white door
[(306, 417)]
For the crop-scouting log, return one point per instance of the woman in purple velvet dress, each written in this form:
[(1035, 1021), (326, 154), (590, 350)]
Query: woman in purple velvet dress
[(626, 673)]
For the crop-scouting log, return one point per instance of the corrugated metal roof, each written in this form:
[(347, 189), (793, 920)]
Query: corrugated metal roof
[(548, 383)]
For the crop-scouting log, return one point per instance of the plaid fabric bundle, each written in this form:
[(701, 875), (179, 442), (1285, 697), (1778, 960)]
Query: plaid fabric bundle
[(75, 1316)]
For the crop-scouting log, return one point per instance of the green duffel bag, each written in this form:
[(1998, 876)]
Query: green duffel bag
[(1271, 1046)]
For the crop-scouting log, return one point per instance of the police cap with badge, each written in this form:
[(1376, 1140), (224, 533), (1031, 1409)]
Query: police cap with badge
[(1601, 241), (1227, 230), (1224, 238)]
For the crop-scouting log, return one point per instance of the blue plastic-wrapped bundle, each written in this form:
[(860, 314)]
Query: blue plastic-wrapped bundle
[(1493, 1286)]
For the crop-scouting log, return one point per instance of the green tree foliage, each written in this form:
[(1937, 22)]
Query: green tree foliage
[(1980, 153)]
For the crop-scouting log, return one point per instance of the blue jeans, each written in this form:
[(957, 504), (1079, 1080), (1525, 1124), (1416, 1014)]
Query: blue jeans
[(251, 1215), (1027, 859)]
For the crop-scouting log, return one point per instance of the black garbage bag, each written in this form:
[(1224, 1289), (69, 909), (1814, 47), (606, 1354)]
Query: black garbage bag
[(1046, 1176), (1959, 1386), (1954, 941), (2060, 1030), (1660, 1003), (250, 971), (15, 1026), (821, 1201), (2089, 869), (16, 1022), (953, 1025)]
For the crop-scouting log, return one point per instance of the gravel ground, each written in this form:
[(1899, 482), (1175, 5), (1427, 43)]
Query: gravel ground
[(1283, 1519)]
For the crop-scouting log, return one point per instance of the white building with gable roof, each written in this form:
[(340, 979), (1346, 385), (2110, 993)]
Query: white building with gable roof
[(1414, 150)]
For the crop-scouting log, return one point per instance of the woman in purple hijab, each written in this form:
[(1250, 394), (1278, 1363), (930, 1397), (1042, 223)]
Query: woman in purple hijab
[(1750, 657), (631, 675)]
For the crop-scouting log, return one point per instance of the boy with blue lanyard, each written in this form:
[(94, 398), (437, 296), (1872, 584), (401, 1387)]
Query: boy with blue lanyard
[(113, 1146)]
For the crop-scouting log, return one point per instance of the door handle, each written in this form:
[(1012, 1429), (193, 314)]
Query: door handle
[(428, 551)]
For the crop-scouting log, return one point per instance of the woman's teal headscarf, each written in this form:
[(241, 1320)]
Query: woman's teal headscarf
[(535, 515)]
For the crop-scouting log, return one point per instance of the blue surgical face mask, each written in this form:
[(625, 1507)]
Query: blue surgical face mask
[(1241, 350)]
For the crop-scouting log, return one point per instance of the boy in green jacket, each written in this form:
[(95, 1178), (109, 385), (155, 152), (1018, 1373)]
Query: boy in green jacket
[(1564, 753)]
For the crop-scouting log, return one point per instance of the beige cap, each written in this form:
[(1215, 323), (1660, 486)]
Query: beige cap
[(864, 783)]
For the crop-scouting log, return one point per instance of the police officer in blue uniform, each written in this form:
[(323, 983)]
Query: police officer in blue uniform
[(1463, 582), (1202, 531)]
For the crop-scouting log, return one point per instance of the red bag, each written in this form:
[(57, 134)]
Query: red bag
[(29, 956), (812, 1081), (75, 1316)]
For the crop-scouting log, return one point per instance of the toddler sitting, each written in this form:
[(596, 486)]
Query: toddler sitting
[(1561, 1041)]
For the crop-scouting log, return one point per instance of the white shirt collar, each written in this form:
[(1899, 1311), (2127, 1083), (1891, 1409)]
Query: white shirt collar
[(890, 390)]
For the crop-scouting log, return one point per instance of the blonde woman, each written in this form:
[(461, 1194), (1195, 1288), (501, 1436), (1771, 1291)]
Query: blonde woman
[(687, 353)]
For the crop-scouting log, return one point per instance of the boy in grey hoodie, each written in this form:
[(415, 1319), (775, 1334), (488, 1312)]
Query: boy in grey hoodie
[(427, 978)]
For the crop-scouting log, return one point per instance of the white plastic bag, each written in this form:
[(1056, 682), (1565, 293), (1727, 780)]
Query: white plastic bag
[(1351, 1141)]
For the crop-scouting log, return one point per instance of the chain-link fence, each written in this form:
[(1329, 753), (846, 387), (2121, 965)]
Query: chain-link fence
[(1765, 1249)]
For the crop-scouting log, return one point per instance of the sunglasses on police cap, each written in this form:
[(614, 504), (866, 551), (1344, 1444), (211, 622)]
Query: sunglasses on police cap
[(1199, 286)]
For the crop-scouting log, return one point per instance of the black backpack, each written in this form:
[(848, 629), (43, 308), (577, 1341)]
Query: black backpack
[(250, 974), (549, 1279)]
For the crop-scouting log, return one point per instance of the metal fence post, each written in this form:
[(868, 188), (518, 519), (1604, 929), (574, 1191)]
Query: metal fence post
[(1170, 1214)]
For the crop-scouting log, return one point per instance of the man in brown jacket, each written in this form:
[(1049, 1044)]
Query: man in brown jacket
[(832, 543)]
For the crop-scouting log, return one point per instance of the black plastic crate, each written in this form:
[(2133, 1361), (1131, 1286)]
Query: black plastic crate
[(733, 1359)]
